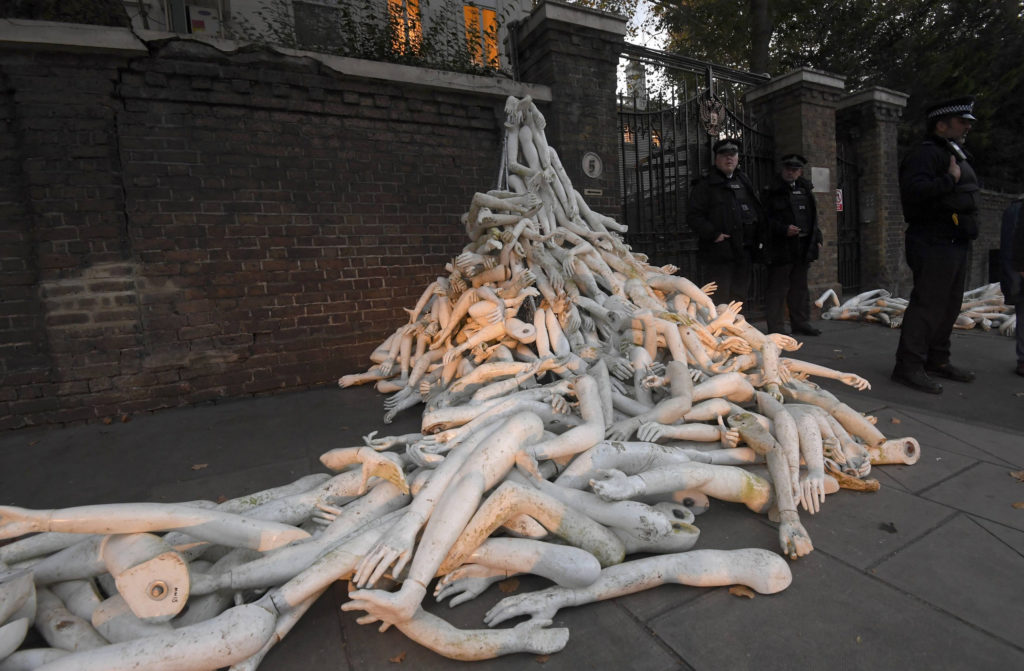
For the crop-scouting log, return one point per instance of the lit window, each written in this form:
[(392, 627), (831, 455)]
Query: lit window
[(406, 25), (481, 35)]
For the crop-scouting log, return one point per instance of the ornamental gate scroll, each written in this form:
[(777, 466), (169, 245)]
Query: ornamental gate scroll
[(671, 110)]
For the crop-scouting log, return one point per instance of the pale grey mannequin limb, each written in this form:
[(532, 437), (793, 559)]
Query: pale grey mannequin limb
[(629, 457), (216, 526), (765, 572), (792, 536), (667, 411), (481, 471), (727, 483), (852, 421)]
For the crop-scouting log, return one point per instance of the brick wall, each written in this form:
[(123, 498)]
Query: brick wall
[(192, 225), (185, 224)]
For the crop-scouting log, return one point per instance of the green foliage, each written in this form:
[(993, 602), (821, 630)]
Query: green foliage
[(96, 12), (930, 49), (365, 29)]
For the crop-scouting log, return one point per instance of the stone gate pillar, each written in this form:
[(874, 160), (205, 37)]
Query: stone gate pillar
[(801, 105), (575, 51), (868, 119)]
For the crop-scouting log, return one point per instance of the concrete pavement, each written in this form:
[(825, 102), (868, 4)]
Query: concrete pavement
[(926, 573)]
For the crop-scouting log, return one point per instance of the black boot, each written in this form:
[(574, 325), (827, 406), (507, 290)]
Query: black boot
[(917, 379)]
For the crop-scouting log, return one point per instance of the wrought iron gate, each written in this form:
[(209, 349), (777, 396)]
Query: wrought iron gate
[(672, 110), (848, 219)]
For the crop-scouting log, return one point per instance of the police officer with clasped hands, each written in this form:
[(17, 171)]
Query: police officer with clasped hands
[(725, 213), (939, 192)]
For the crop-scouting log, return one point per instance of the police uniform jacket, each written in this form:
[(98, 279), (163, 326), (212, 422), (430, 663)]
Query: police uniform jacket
[(782, 213), (715, 207), (934, 206), (1011, 252)]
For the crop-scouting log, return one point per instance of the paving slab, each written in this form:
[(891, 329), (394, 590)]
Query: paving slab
[(984, 490), (863, 527), (220, 486), (832, 616), (1000, 446), (935, 567), (1011, 537), (954, 453)]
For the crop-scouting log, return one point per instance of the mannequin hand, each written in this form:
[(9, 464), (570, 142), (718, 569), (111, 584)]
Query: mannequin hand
[(394, 547), (613, 485), (651, 432), (621, 430), (792, 536), (812, 492), (855, 381), (729, 436), (385, 465), (538, 605), (466, 583)]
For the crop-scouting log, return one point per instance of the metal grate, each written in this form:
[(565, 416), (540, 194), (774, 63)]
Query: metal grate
[(848, 220)]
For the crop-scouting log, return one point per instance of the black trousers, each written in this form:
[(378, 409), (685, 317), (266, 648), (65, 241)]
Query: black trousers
[(732, 278), (787, 287), (940, 270)]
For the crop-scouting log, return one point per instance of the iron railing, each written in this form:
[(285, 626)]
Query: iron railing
[(672, 109)]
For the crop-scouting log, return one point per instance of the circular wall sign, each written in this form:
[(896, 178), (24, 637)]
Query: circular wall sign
[(592, 165)]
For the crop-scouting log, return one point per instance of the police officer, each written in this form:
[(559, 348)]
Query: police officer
[(1011, 256), (794, 242), (939, 191), (728, 219)]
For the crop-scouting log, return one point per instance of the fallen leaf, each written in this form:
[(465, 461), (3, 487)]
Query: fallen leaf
[(397, 659), (741, 590), (1019, 505), (896, 420), (859, 639), (542, 659), (107, 420), (508, 586), (221, 498), (1018, 474), (125, 419), (887, 526), (34, 442), (199, 467)]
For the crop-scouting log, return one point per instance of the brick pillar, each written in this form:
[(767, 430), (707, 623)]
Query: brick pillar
[(869, 118), (802, 107), (575, 51)]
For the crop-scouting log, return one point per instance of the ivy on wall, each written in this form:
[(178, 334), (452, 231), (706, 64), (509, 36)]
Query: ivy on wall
[(435, 34), (96, 12)]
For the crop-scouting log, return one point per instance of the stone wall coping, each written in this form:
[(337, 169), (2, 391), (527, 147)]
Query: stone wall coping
[(107, 39), (876, 94), (70, 37), (548, 10), (795, 78), (410, 74)]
